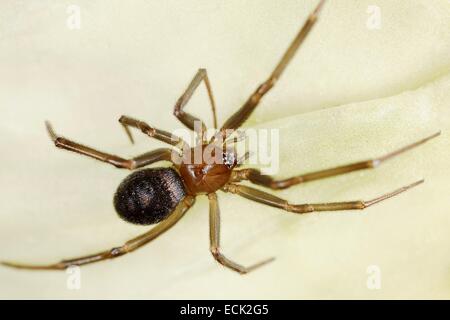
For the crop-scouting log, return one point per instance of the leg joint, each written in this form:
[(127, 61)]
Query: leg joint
[(118, 251), (230, 188), (298, 208), (59, 142), (121, 163), (215, 251)]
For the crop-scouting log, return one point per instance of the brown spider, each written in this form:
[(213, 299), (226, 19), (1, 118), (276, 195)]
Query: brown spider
[(163, 195)]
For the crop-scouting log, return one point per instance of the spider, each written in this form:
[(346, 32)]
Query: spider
[(162, 196)]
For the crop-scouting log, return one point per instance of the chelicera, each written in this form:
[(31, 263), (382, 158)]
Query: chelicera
[(162, 196)]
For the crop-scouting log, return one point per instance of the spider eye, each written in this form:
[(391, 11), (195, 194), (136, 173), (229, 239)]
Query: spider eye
[(229, 159)]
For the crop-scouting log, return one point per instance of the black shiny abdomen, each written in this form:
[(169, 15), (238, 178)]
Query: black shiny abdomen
[(149, 196)]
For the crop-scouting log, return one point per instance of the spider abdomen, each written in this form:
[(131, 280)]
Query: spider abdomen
[(149, 196)]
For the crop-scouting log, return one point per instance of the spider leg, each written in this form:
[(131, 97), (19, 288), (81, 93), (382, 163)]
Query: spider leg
[(128, 247), (187, 119), (274, 201), (151, 132), (255, 176), (238, 118), (133, 163), (214, 235)]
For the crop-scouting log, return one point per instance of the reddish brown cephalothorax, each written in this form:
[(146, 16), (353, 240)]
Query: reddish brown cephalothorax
[(211, 173)]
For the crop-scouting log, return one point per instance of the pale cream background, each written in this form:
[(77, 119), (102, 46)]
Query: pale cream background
[(387, 88)]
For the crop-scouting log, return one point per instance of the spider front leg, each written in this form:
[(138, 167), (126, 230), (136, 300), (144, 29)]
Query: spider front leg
[(255, 176), (187, 119), (152, 132), (238, 118), (214, 234), (274, 201), (133, 163), (128, 247)]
